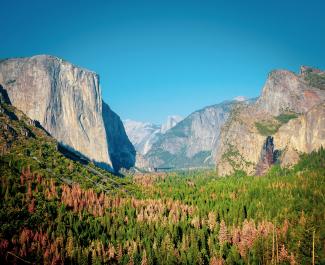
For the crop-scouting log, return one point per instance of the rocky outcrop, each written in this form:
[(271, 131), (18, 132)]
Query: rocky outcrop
[(301, 135), (121, 150), (269, 156), (285, 101), (66, 100), (240, 143), (286, 91)]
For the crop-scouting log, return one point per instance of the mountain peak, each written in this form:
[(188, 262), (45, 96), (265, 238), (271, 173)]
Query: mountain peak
[(240, 98), (172, 120)]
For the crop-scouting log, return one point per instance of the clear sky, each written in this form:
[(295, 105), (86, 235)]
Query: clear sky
[(157, 58)]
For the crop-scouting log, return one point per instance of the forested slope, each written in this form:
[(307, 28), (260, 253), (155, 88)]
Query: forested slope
[(58, 211)]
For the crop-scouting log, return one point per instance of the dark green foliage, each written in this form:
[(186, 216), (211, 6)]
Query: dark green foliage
[(180, 159), (54, 211), (285, 117)]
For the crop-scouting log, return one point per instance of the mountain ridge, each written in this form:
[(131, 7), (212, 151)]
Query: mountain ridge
[(285, 96)]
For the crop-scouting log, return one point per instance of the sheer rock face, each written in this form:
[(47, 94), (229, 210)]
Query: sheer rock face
[(241, 143), (65, 99), (121, 150), (301, 135), (286, 91), (191, 141)]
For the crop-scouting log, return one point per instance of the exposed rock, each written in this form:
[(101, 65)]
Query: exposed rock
[(286, 91), (269, 157), (121, 150), (240, 144), (67, 102), (244, 134), (301, 135), (170, 123), (141, 134), (190, 142)]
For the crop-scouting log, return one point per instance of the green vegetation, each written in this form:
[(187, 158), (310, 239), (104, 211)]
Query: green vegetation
[(57, 211), (235, 159), (286, 117), (267, 128), (187, 218), (315, 79), (180, 159), (270, 127)]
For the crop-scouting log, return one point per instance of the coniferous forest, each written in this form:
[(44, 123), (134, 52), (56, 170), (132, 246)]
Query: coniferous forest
[(58, 211)]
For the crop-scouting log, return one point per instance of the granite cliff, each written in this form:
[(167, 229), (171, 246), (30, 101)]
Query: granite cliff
[(290, 110), (67, 102), (121, 150), (190, 142)]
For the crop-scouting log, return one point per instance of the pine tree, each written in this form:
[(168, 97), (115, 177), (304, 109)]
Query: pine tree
[(223, 233)]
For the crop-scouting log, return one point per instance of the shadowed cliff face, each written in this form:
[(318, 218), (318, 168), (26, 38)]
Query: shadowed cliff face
[(120, 148), (4, 98), (269, 156)]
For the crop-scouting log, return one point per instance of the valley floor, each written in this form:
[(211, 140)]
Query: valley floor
[(55, 211)]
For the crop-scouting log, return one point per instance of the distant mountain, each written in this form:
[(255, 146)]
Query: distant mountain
[(144, 134), (141, 134), (170, 123), (190, 142), (67, 101)]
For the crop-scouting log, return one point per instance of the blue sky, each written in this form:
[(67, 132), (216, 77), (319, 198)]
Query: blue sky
[(157, 58)]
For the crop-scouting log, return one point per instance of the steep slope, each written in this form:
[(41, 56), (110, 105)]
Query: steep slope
[(285, 96), (25, 143), (301, 135), (190, 142), (66, 100), (286, 91), (121, 150)]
